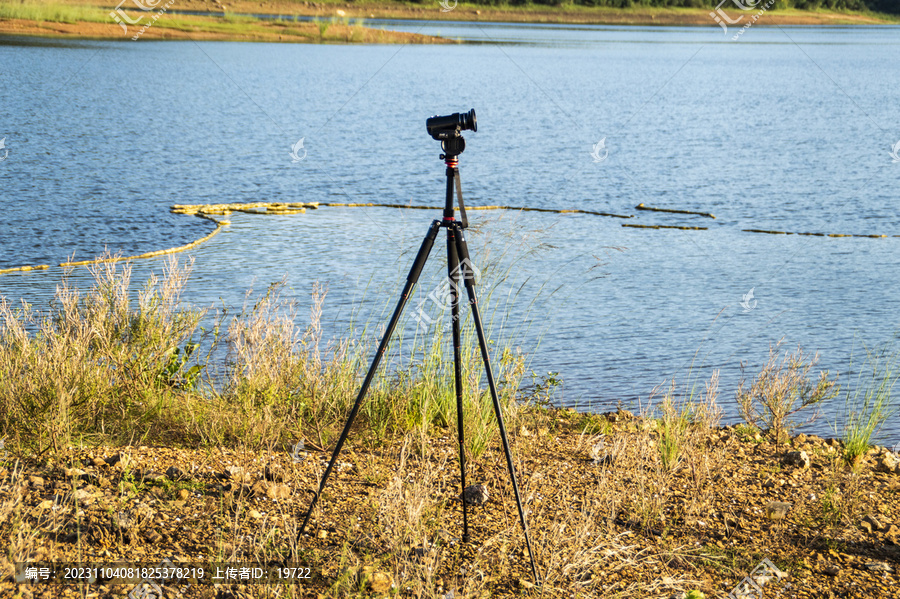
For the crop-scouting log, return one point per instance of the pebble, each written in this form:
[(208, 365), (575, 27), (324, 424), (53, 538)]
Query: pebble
[(797, 458), (778, 510), (887, 462), (476, 495), (174, 473)]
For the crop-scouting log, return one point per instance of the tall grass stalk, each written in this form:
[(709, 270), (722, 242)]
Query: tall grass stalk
[(869, 402)]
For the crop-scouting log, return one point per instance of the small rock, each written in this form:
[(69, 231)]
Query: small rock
[(121, 521), (832, 570), (83, 496), (151, 476), (153, 536), (113, 460), (255, 515), (526, 584), (36, 481), (800, 439), (523, 431), (887, 462), (871, 524), (380, 582), (46, 504), (184, 494), (796, 458), (99, 462), (892, 532), (878, 567), (322, 534), (778, 510), (237, 474), (174, 473), (274, 473), (476, 495), (278, 491)]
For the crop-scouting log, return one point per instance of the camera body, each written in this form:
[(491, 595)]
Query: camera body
[(450, 126)]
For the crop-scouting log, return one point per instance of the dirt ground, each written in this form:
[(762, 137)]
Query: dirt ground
[(605, 519)]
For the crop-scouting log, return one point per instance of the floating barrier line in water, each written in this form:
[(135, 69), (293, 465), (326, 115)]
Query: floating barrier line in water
[(666, 227), (25, 268), (278, 208), (287, 208), (642, 207), (175, 250), (767, 232)]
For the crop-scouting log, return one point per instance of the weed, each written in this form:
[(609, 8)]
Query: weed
[(781, 390)]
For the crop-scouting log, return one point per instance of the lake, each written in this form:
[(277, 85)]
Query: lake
[(787, 129)]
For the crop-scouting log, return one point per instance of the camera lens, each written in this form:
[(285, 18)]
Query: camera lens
[(467, 121)]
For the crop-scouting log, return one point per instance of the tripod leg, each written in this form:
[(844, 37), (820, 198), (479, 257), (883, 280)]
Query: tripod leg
[(411, 279), (453, 273), (468, 276)]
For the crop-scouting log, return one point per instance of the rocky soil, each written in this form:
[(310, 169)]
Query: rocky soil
[(606, 518)]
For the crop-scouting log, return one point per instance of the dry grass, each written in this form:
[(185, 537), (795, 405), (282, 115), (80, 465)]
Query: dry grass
[(112, 365), (781, 390)]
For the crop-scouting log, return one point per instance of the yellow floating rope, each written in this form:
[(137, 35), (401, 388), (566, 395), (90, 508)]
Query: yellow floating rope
[(642, 207), (175, 250), (25, 268), (204, 210)]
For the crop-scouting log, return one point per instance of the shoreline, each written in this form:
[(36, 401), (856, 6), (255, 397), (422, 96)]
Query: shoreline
[(337, 22)]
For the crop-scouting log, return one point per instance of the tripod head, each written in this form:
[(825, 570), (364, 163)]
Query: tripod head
[(452, 147)]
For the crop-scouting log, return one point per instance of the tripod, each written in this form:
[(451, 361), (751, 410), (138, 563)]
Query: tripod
[(459, 267)]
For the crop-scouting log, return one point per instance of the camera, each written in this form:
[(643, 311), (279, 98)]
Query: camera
[(449, 126)]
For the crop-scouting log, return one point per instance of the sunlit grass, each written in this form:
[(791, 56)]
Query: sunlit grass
[(35, 10)]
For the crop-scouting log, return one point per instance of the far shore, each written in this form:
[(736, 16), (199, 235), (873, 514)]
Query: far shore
[(598, 15), (337, 22)]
